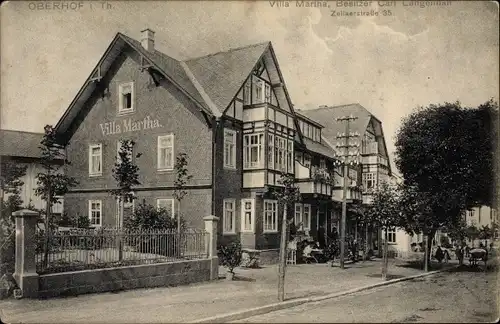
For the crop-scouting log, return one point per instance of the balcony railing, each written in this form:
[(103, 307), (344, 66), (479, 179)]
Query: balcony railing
[(313, 180)]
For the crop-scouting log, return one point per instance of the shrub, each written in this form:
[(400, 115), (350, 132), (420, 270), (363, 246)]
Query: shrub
[(230, 255), (83, 221), (149, 218), (332, 250)]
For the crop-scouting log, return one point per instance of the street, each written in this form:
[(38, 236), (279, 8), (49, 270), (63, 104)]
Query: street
[(446, 297)]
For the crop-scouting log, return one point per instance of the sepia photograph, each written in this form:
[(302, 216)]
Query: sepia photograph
[(249, 161)]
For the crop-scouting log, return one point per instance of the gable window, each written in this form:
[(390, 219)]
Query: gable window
[(247, 215), (229, 149), (270, 216), (166, 204), (126, 97), (258, 90), (95, 160), (95, 212), (253, 151), (229, 219), (166, 152), (369, 181), (267, 88)]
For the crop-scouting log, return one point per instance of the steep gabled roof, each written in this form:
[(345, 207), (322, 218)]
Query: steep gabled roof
[(328, 116), (170, 68), (20, 144), (222, 74)]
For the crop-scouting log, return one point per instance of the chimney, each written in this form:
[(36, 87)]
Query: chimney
[(148, 39)]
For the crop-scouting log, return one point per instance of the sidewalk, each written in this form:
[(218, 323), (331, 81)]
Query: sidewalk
[(251, 288)]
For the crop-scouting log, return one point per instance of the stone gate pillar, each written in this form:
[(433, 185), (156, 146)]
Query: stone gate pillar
[(25, 267)]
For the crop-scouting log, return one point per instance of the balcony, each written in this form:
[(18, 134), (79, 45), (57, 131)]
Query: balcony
[(312, 181), (353, 191)]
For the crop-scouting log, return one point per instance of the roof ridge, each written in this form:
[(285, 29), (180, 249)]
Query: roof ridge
[(19, 131), (226, 51), (200, 89)]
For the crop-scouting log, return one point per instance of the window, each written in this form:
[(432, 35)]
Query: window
[(289, 157), (369, 181), (298, 214), (391, 236), (267, 94), (126, 97), (118, 150), (270, 158), (247, 215), (167, 204), (303, 216), (307, 160), (128, 210), (258, 90), (95, 212), (229, 216), (306, 217), (270, 216), (95, 160), (253, 151), (247, 93), (322, 164), (280, 153), (166, 152), (229, 149)]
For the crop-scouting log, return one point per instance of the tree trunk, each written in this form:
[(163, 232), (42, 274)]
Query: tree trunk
[(367, 245), (428, 245), (120, 228), (283, 257), (384, 257)]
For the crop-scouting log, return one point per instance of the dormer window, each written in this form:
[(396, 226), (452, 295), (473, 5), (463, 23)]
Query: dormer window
[(126, 97)]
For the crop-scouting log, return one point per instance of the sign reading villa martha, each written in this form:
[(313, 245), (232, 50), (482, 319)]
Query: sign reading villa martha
[(129, 125)]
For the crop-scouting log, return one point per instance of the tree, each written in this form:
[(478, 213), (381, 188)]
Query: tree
[(363, 219), (182, 178), (444, 153), (51, 182), (126, 174), (286, 196), (384, 214), (10, 177), (485, 234)]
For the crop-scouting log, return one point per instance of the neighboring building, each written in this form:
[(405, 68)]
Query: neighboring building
[(229, 111), (22, 148), (374, 167)]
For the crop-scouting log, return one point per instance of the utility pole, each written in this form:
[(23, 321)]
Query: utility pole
[(346, 145)]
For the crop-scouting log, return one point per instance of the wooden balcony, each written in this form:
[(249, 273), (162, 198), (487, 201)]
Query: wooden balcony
[(312, 183)]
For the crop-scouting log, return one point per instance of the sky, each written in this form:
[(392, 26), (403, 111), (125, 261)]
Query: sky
[(408, 56)]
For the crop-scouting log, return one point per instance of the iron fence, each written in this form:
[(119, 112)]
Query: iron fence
[(74, 249)]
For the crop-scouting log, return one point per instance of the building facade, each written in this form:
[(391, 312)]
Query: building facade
[(230, 112), (22, 148), (373, 165)]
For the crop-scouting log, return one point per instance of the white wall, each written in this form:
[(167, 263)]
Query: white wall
[(30, 184)]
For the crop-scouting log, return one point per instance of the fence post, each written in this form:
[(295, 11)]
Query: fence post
[(211, 229), (25, 267)]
